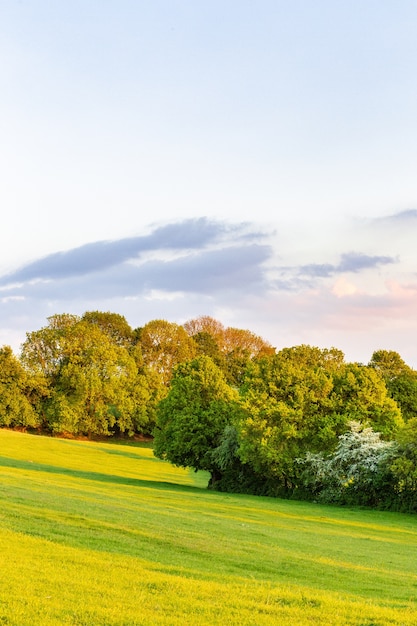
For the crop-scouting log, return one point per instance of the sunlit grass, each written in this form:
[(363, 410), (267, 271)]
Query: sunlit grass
[(104, 534)]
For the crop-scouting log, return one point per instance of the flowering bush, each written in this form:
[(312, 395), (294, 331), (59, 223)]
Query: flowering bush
[(357, 472)]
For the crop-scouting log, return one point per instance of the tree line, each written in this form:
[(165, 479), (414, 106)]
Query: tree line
[(299, 422), (94, 375), (303, 423)]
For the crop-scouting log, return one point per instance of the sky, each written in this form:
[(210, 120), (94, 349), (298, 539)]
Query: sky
[(251, 161)]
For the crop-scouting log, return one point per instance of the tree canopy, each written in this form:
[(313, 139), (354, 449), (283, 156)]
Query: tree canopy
[(194, 414), (222, 399)]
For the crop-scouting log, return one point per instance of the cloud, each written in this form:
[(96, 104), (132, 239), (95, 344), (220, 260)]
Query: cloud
[(355, 262), (228, 271), (303, 276), (101, 255), (409, 215), (317, 270), (349, 262), (230, 268), (210, 257)]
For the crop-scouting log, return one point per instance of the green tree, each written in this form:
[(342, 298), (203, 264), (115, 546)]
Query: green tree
[(93, 388), (400, 379), (361, 395), (94, 383), (16, 388), (193, 416), (206, 344), (288, 411), (231, 349), (300, 401), (404, 467), (113, 325), (44, 349), (164, 345)]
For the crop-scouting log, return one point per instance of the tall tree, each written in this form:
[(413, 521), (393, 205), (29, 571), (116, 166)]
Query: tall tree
[(400, 379), (206, 324), (206, 344), (95, 386), (16, 388), (44, 349), (361, 395), (113, 325), (404, 467), (289, 410), (245, 342), (231, 348), (164, 345), (193, 416)]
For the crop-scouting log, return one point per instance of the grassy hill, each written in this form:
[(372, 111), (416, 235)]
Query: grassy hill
[(101, 534)]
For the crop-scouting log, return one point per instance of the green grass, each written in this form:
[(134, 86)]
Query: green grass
[(99, 534)]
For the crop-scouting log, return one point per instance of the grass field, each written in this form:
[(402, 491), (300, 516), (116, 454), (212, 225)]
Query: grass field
[(101, 534)]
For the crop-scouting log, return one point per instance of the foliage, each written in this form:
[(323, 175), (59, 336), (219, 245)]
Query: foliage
[(230, 348), (193, 416), (225, 402), (164, 345), (95, 386), (208, 325), (400, 379), (206, 344), (404, 467), (288, 410), (113, 325), (360, 395), (16, 388), (356, 472)]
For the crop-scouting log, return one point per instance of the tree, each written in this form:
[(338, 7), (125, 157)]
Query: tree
[(113, 325), (44, 349), (164, 345), (93, 388), (230, 348), (206, 324), (400, 379), (361, 395), (15, 390), (245, 342), (94, 384), (229, 339), (193, 416), (404, 467), (288, 410)]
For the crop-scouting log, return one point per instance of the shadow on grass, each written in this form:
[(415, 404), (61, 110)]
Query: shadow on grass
[(109, 448), (97, 476)]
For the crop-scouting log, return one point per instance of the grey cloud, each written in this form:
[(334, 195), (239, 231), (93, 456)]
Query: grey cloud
[(101, 255), (349, 262), (229, 269), (401, 216), (354, 262), (233, 268), (305, 276), (318, 270)]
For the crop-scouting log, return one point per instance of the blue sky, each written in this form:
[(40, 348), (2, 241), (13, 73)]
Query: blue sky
[(253, 161)]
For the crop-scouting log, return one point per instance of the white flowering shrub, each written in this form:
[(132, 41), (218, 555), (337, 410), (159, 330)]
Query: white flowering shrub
[(356, 472)]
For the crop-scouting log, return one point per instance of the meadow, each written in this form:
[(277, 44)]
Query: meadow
[(103, 534)]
